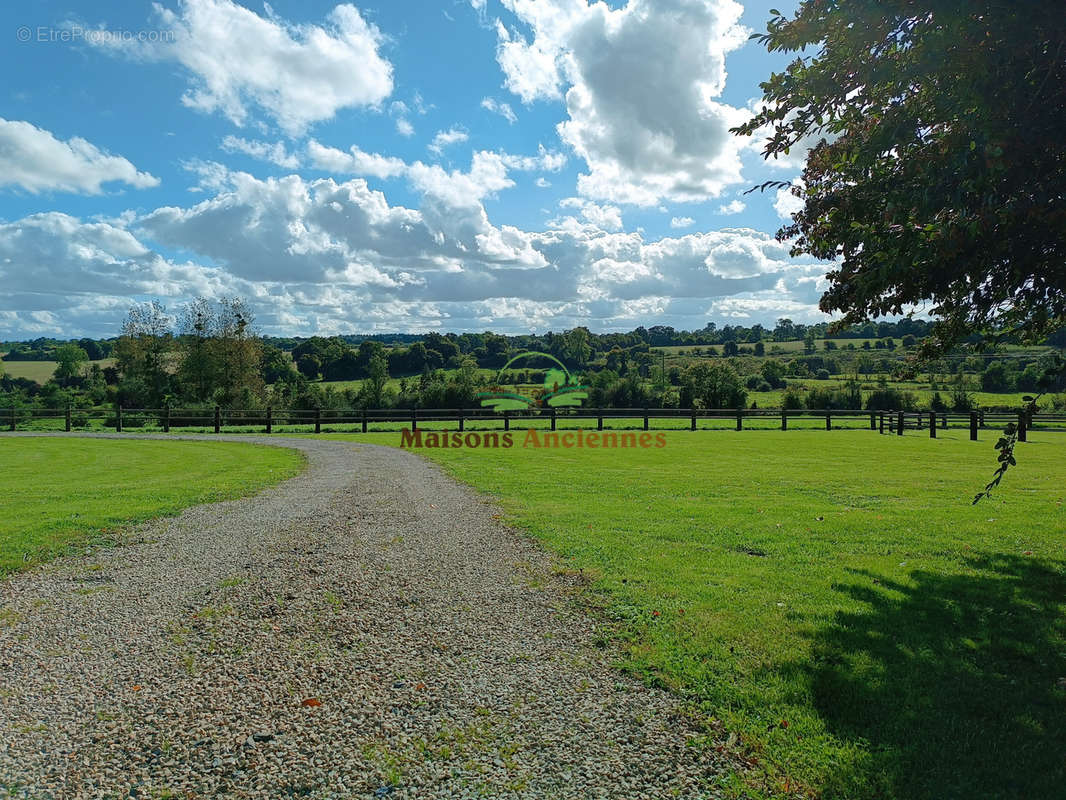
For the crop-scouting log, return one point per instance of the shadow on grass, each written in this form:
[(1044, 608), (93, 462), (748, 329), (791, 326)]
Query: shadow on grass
[(953, 682)]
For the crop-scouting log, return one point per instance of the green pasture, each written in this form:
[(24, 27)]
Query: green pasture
[(833, 598), (41, 371), (62, 494)]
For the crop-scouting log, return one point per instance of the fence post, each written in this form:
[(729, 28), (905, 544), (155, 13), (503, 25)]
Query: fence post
[(553, 418), (68, 418), (218, 419), (932, 424), (506, 421), (270, 419), (829, 422), (599, 419), (981, 418), (944, 421), (460, 420), (882, 415), (364, 420), (318, 420), (166, 418), (740, 419), (693, 418), (973, 426), (118, 419), (1021, 426), (645, 418), (784, 421), (899, 424), (873, 422), (414, 419)]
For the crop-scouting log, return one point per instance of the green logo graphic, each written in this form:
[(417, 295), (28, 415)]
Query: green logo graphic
[(559, 389)]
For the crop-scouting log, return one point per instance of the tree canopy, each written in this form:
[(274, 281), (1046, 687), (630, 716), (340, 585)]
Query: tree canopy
[(938, 169)]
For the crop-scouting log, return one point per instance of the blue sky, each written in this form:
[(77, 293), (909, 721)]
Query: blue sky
[(513, 165)]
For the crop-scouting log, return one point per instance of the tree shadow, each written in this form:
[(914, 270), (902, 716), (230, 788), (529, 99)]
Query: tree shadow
[(953, 684)]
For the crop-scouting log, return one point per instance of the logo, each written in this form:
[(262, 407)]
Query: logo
[(560, 388)]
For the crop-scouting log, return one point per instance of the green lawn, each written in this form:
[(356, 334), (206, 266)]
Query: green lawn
[(61, 494), (832, 597)]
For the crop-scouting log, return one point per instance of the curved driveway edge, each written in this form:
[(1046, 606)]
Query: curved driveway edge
[(365, 629)]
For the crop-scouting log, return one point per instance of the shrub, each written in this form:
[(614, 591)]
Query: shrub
[(791, 400), (822, 374), (848, 396), (997, 377), (891, 399)]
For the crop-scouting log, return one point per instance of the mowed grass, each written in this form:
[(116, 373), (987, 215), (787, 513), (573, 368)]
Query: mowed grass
[(61, 494), (834, 598)]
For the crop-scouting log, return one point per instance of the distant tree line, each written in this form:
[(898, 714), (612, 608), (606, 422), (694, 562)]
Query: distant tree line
[(210, 353)]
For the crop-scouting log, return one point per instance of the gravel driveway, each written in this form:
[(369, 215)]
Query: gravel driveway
[(366, 629)]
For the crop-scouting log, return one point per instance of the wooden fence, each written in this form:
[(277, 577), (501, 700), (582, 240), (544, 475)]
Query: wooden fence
[(364, 420)]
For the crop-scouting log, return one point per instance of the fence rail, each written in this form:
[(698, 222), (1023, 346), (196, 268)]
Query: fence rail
[(365, 420)]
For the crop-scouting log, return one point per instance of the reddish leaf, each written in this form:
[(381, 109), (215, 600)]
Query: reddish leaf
[(311, 702)]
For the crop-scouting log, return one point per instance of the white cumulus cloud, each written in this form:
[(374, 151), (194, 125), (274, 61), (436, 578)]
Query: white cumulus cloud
[(297, 74), (786, 204), (274, 152), (447, 138), (34, 160), (639, 83), (503, 109)]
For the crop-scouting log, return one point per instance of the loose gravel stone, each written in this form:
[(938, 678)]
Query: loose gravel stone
[(366, 629)]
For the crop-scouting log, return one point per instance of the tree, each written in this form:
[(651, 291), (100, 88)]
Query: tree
[(773, 372), (760, 349), (70, 359), (997, 378), (92, 349), (808, 342), (373, 388), (141, 354), (730, 349), (309, 365), (576, 349), (219, 355), (343, 368), (198, 367), (712, 386), (785, 330), (277, 366), (938, 162)]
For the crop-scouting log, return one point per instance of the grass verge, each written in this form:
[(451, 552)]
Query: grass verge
[(61, 494), (832, 597)]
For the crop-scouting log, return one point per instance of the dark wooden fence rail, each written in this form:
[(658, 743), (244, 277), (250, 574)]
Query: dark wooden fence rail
[(267, 419)]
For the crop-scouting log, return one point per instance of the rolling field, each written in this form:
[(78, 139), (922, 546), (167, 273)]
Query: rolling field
[(63, 494), (41, 371), (921, 391), (793, 347), (833, 598)]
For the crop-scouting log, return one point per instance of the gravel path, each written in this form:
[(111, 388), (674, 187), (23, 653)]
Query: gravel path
[(366, 629)]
